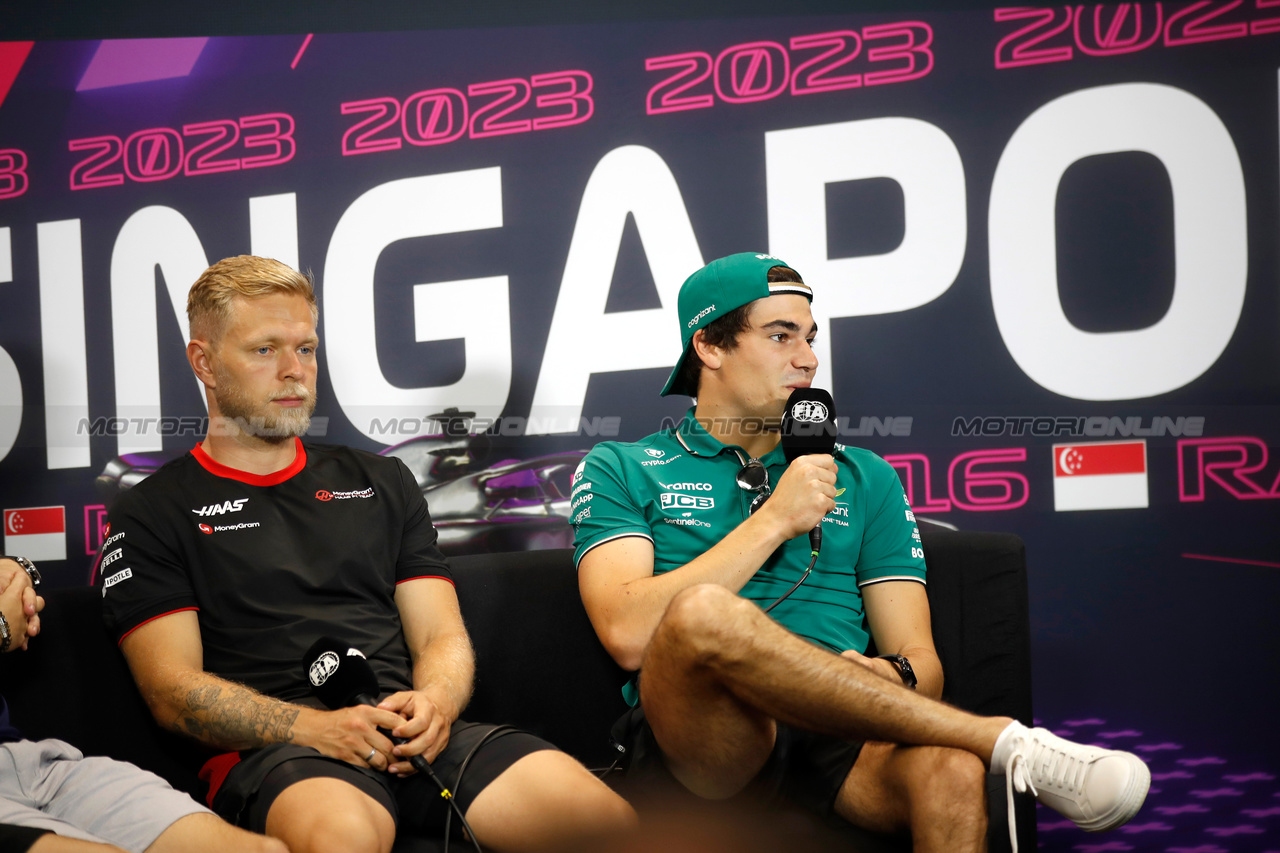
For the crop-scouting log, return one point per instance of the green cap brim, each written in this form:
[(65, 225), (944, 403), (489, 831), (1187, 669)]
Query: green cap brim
[(674, 385)]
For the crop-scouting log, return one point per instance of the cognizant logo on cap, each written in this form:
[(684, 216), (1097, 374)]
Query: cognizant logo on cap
[(701, 314)]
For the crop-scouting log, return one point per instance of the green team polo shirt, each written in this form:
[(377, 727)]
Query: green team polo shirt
[(677, 488)]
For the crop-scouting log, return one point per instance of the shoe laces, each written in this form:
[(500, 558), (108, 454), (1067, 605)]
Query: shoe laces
[(1015, 766), (1058, 769)]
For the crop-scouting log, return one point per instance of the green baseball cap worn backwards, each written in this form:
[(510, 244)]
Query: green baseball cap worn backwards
[(718, 288)]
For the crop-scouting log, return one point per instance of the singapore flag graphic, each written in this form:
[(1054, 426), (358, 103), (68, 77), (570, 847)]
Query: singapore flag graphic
[(36, 532), (1100, 475)]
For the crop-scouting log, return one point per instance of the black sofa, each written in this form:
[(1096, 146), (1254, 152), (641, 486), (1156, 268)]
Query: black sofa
[(539, 665)]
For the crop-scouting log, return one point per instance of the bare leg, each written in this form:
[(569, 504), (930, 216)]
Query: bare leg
[(938, 794), (326, 815), (57, 844), (546, 800), (206, 833), (718, 672)]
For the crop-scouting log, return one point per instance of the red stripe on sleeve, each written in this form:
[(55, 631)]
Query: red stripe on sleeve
[(427, 577), (152, 619)]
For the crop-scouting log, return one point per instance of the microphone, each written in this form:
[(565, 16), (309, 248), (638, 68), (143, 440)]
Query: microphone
[(340, 677), (809, 426)]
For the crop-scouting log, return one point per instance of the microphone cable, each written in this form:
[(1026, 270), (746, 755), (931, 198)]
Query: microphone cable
[(490, 736), (813, 558)]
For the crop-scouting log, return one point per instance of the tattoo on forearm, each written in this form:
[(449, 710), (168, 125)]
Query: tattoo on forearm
[(235, 717)]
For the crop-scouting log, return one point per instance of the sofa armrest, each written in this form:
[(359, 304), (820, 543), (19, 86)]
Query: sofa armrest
[(982, 629), (977, 585)]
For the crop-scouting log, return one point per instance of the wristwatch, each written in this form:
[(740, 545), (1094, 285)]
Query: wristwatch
[(28, 567), (5, 637), (903, 666)]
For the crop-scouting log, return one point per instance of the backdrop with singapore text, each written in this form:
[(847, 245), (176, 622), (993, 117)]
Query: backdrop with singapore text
[(1042, 244)]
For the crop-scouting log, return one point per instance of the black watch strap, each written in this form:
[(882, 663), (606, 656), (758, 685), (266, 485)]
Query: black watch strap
[(904, 669)]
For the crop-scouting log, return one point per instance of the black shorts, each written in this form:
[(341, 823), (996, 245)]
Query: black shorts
[(250, 787), (804, 768)]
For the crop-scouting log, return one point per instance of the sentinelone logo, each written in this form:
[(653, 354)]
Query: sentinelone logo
[(1093, 427)]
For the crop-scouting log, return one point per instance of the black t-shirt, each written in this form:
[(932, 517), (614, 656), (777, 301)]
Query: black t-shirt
[(274, 562)]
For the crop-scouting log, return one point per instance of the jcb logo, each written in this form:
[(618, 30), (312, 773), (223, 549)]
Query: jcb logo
[(674, 500)]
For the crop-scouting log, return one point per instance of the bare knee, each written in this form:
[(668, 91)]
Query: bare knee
[(703, 621), (948, 783), (343, 832), (545, 801), (339, 825)]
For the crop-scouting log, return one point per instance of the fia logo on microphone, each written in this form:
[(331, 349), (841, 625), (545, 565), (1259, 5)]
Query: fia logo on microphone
[(323, 667), (809, 411)]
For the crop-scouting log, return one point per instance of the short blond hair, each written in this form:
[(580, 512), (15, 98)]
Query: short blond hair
[(248, 276)]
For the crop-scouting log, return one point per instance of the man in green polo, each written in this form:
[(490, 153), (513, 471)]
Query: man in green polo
[(686, 537)]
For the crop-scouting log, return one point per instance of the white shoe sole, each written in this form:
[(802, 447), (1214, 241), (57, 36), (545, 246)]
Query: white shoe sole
[(1129, 804)]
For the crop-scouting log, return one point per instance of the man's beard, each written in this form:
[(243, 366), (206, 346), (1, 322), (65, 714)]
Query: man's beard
[(272, 424)]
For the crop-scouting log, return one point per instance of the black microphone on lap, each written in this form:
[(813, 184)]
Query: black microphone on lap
[(809, 426), (340, 677)]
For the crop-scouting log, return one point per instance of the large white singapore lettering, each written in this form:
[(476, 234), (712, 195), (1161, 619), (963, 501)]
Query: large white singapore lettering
[(1210, 251), (154, 236), (62, 344), (584, 339), (10, 381), (924, 162), (400, 210), (273, 227)]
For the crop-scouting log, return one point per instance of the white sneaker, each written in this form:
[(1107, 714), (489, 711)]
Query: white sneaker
[(1098, 789)]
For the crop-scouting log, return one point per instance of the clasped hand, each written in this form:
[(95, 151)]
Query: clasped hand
[(357, 734), (19, 603)]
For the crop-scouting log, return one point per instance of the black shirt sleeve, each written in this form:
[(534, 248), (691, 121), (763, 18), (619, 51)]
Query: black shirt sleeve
[(143, 574), (420, 556)]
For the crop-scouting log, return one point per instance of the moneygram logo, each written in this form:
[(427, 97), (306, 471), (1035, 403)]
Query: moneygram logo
[(219, 528), (326, 495)]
